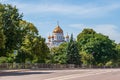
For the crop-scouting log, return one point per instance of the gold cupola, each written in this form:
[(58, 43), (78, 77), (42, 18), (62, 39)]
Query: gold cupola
[(57, 29), (67, 36), (49, 37), (52, 36)]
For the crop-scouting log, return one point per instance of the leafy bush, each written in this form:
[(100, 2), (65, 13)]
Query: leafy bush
[(3, 59), (109, 64)]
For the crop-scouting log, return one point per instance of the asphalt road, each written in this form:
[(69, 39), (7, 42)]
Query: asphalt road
[(77, 74)]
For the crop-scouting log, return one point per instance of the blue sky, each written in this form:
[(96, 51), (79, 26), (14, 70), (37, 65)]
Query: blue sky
[(73, 15)]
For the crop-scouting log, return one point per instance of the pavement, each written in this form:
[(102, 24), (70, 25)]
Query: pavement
[(73, 74)]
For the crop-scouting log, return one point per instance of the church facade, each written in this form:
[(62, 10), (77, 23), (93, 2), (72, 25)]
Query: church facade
[(57, 37)]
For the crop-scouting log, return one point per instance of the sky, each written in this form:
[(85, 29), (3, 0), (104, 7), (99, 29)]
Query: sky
[(73, 15)]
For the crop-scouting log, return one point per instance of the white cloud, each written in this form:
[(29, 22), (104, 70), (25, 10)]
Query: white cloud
[(106, 29), (82, 11), (73, 10), (80, 26), (3, 1)]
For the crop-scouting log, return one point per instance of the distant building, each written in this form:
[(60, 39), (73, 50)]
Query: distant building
[(57, 37)]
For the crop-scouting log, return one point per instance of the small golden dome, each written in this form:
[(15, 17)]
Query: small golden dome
[(49, 37), (67, 36), (58, 30), (52, 36)]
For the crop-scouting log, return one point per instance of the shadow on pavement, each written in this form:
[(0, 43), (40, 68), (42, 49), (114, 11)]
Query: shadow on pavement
[(19, 73)]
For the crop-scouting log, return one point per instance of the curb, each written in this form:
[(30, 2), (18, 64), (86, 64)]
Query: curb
[(8, 71)]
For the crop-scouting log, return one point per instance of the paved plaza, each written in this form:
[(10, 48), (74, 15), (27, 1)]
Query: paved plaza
[(75, 74)]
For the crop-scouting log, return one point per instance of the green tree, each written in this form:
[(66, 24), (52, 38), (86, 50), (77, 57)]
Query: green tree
[(9, 23), (40, 49), (28, 33), (58, 54), (10, 19), (20, 36), (86, 59), (33, 50), (27, 28), (117, 60), (73, 56), (2, 39), (2, 36), (98, 45)]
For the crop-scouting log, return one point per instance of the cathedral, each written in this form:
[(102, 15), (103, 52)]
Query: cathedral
[(57, 37)]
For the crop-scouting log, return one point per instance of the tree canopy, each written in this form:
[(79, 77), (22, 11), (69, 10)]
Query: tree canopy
[(98, 45), (19, 37), (73, 56), (58, 54), (21, 42)]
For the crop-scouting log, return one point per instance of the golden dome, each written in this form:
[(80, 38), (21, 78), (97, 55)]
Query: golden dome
[(49, 37), (67, 36), (52, 36), (57, 29)]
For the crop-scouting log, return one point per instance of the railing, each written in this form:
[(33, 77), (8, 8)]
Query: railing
[(47, 66), (35, 66)]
